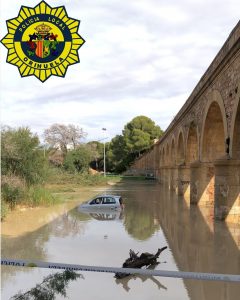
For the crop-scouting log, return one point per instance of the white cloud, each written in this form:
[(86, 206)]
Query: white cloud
[(141, 57)]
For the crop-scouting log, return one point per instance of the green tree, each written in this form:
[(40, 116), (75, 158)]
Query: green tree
[(140, 133), (77, 160), (117, 155), (137, 137), (96, 153), (21, 155)]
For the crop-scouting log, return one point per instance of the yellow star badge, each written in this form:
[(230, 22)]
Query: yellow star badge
[(42, 41)]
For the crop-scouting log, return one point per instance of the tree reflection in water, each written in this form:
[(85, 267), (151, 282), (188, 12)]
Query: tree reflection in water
[(139, 218), (51, 285)]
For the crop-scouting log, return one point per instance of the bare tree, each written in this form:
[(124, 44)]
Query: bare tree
[(64, 136)]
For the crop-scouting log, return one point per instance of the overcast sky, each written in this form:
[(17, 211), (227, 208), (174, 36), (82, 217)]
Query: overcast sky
[(141, 57)]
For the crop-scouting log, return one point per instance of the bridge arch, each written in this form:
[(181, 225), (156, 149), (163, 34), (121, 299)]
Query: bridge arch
[(173, 152), (180, 149), (163, 157), (235, 129), (160, 156), (192, 144), (157, 156), (167, 158), (214, 129)]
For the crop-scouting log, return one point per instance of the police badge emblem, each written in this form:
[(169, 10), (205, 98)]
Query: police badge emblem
[(42, 41)]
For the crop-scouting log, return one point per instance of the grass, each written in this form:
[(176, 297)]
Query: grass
[(38, 196), (31, 197), (61, 181), (15, 192)]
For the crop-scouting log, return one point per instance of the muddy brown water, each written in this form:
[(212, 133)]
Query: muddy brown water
[(153, 217)]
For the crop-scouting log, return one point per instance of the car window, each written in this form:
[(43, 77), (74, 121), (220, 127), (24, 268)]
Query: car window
[(109, 200), (96, 201)]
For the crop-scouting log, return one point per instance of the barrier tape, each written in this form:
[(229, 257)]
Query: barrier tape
[(146, 272)]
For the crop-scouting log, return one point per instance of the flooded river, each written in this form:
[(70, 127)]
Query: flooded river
[(152, 218)]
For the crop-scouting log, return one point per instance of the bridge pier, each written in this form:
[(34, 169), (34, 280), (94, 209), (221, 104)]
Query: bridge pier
[(202, 184), (157, 174), (177, 179), (174, 179), (227, 190), (184, 183), (209, 185), (217, 185), (165, 176), (168, 176)]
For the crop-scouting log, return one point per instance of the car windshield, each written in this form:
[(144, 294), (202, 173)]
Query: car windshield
[(96, 201)]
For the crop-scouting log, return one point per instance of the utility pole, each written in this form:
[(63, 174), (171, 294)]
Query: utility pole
[(104, 155)]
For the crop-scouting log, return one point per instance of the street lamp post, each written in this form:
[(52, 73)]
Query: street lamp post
[(104, 155)]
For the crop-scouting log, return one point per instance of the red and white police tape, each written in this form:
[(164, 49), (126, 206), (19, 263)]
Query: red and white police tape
[(146, 272)]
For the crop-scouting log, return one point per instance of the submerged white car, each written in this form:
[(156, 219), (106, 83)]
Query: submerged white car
[(103, 202)]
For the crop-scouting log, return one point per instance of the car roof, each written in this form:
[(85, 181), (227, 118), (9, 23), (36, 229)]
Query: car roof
[(108, 195)]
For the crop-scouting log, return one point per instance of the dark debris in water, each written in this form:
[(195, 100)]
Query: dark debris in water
[(138, 261)]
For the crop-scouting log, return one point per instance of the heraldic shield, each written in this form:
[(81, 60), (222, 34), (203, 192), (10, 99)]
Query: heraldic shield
[(43, 43)]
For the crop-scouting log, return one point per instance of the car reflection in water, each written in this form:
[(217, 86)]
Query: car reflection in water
[(107, 216), (103, 215)]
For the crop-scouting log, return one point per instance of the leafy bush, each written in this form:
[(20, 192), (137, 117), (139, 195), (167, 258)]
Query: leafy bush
[(12, 190), (15, 192), (11, 194), (21, 155), (77, 160)]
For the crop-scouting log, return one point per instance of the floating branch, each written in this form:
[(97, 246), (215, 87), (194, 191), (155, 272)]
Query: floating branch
[(135, 261)]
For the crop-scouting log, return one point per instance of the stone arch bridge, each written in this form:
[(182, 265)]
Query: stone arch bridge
[(199, 154)]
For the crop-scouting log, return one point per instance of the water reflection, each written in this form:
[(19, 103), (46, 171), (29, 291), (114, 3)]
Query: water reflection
[(124, 282), (101, 215), (140, 221), (33, 245), (200, 245), (52, 285), (153, 217)]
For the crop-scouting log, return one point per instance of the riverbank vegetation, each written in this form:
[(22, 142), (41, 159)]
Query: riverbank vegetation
[(32, 173), (24, 170), (62, 181)]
